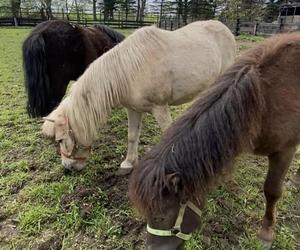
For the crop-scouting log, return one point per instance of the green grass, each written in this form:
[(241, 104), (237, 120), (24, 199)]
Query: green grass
[(250, 38), (41, 208)]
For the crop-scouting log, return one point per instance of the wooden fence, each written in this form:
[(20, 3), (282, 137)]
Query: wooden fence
[(237, 27), (168, 23), (121, 24)]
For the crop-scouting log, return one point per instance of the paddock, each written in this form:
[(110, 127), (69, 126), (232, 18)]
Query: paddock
[(42, 208)]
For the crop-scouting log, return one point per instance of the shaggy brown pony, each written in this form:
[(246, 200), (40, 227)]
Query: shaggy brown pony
[(254, 107)]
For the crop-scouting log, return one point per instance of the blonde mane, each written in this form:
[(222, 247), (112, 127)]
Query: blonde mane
[(105, 83)]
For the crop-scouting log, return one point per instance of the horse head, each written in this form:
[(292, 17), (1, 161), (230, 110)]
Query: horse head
[(73, 153)]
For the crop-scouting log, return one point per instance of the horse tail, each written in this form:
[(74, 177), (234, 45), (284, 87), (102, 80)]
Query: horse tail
[(37, 82), (115, 36)]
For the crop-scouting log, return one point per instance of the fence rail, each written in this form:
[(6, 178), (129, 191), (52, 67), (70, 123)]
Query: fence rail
[(168, 23), (122, 24)]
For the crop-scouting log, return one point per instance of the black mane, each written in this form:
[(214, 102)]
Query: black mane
[(203, 142), (115, 36)]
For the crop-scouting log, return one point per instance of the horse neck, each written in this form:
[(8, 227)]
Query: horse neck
[(102, 87)]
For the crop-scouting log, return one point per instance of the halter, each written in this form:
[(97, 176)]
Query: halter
[(176, 229), (71, 156), (75, 149), (76, 146)]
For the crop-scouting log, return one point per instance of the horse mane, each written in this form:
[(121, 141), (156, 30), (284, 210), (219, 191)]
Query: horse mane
[(202, 144), (115, 36), (106, 80)]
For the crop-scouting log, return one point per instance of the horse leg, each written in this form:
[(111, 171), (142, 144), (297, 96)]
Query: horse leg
[(162, 116), (296, 179), (134, 128), (278, 166)]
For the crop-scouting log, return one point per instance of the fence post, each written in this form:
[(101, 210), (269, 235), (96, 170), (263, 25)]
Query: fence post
[(281, 25), (255, 28), (237, 27), (16, 21)]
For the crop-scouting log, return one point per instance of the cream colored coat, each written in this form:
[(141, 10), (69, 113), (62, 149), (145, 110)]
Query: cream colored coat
[(149, 71)]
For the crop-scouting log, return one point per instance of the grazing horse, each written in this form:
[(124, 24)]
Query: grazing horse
[(253, 107), (149, 71), (56, 52)]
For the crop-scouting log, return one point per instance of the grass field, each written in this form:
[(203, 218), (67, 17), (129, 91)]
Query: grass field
[(41, 208)]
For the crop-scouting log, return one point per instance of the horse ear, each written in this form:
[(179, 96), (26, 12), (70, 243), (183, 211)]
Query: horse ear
[(174, 183)]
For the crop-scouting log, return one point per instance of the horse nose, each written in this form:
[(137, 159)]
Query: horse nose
[(67, 171), (67, 168)]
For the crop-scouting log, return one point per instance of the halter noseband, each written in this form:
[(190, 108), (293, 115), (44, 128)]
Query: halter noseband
[(70, 156), (76, 146), (176, 230)]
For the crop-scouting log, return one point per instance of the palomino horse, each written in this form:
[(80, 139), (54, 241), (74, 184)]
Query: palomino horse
[(254, 107), (56, 52), (149, 71)]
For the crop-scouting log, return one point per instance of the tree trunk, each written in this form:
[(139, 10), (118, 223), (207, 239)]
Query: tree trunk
[(126, 9), (185, 12), (67, 10), (77, 10), (179, 9), (161, 10), (142, 10), (15, 7), (42, 12), (95, 10), (138, 10)]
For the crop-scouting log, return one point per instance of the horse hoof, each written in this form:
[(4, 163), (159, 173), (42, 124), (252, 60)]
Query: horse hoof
[(266, 237), (267, 244), (126, 164), (123, 171)]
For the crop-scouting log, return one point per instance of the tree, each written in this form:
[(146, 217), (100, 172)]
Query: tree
[(271, 10), (109, 7), (95, 10), (126, 6), (202, 9), (46, 5), (242, 9), (15, 7), (141, 4)]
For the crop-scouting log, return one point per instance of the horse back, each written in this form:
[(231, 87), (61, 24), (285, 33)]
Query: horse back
[(280, 78)]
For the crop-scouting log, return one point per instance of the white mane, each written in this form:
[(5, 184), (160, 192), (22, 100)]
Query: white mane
[(105, 82)]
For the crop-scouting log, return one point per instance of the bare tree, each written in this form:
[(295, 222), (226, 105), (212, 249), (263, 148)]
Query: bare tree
[(46, 5), (95, 10), (141, 4), (77, 10), (15, 7)]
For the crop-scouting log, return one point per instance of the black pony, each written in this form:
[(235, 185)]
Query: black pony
[(56, 52)]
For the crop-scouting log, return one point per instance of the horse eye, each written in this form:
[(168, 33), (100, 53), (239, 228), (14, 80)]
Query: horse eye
[(59, 141)]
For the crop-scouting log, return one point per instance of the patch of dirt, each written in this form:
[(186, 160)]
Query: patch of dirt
[(48, 241), (53, 176), (132, 230), (79, 196), (16, 188), (115, 187), (8, 231)]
